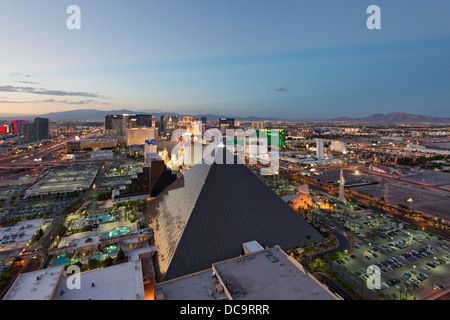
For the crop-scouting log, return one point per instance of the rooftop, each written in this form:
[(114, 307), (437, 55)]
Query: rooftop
[(197, 286), (119, 282), (264, 275), (36, 285), (19, 234), (269, 275)]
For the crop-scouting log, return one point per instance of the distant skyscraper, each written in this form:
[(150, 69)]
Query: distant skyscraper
[(140, 121), (319, 149), (113, 125), (342, 188), (168, 124), (27, 132), (42, 128), (226, 123), (15, 125), (203, 120), (258, 125)]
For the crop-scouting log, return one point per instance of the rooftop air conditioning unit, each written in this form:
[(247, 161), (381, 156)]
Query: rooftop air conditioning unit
[(219, 288)]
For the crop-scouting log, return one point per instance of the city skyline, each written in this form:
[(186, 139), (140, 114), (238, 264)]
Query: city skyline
[(284, 60)]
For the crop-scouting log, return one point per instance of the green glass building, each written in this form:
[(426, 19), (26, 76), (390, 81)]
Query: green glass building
[(279, 134)]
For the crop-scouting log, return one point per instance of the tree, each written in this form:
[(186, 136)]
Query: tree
[(120, 255), (93, 264), (108, 262)]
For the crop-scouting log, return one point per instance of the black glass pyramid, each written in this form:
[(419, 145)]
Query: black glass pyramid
[(205, 216)]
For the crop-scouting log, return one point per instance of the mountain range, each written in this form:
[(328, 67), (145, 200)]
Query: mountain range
[(396, 117), (94, 114)]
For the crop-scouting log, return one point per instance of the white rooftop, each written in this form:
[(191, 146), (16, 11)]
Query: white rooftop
[(263, 275), (119, 282), (36, 285), (133, 255), (269, 275), (252, 246), (197, 286), (19, 234)]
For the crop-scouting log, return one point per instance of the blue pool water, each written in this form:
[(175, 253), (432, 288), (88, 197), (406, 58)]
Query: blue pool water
[(111, 249), (62, 259), (103, 256), (103, 217), (117, 232), (99, 257)]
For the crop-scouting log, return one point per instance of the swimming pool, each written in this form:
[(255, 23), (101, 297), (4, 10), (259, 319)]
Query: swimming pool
[(117, 232), (111, 249), (62, 259), (103, 256), (99, 257), (103, 218)]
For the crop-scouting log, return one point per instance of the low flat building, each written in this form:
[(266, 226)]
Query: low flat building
[(91, 144), (19, 235), (64, 181), (265, 274), (102, 154), (37, 285), (119, 282)]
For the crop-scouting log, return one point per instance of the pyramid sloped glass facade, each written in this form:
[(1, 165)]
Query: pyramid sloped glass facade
[(205, 216)]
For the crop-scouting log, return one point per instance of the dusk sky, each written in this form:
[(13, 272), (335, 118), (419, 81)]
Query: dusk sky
[(286, 59)]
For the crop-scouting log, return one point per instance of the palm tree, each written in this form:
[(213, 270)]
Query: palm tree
[(406, 292), (414, 286), (394, 296), (313, 243)]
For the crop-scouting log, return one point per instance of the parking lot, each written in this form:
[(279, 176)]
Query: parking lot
[(409, 260), (37, 208)]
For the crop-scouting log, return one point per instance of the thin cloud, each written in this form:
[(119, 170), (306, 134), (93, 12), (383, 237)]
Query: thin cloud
[(8, 101), (51, 101), (20, 75), (282, 88), (27, 82), (9, 88)]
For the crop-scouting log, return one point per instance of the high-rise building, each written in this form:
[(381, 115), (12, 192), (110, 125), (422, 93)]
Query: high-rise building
[(116, 125), (140, 121), (258, 125), (274, 136), (42, 128), (168, 125), (15, 125), (27, 132), (203, 120), (138, 136), (225, 123), (113, 125), (342, 188), (319, 149)]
